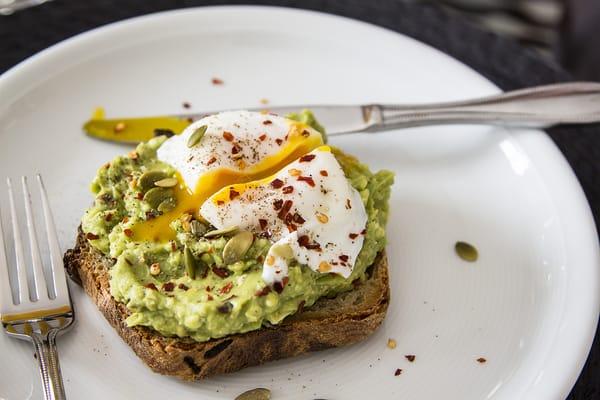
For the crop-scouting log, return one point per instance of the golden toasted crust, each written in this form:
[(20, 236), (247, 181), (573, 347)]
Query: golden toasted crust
[(348, 318)]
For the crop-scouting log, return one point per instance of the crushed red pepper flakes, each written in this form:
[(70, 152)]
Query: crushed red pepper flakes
[(262, 137), (277, 204), (309, 180), (304, 241), (279, 141), (186, 104), (125, 220), (216, 81), (209, 297), (168, 286), (287, 189), (228, 136), (221, 272), (139, 195), (108, 217), (280, 285), (212, 160), (323, 173), (353, 236), (410, 357), (363, 232), (276, 183), (91, 236), (307, 158), (397, 372), (481, 360), (263, 292), (182, 286), (208, 288), (348, 205), (267, 122), (227, 288), (297, 218), (128, 232), (343, 257), (220, 202), (305, 133), (291, 227), (151, 286), (287, 205), (233, 193), (263, 223)]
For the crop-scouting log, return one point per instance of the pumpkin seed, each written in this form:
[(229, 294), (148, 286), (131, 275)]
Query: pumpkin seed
[(198, 228), (157, 195), (255, 394), (196, 136), (221, 232), (167, 205), (283, 250), (237, 246), (147, 180), (189, 262), (466, 251), (166, 183)]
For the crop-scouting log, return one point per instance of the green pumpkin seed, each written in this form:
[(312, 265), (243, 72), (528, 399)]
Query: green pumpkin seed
[(189, 262), (283, 250), (255, 394), (147, 180), (166, 183), (167, 205), (198, 228), (466, 251), (221, 232), (196, 136), (237, 246), (156, 196)]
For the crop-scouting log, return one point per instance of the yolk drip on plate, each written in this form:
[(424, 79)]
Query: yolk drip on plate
[(158, 229)]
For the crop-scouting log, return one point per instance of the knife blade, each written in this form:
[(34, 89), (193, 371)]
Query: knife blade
[(338, 119)]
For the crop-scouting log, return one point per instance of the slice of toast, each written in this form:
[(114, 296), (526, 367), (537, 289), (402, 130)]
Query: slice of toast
[(345, 319)]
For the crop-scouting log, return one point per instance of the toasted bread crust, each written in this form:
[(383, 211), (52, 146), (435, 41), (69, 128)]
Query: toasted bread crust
[(346, 319)]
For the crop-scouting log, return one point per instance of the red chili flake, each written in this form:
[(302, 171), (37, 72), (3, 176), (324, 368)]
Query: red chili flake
[(398, 372), (348, 205), (276, 183), (343, 257), (262, 137), (277, 204), (288, 218), (151, 286), (108, 217), (227, 288), (212, 160), (287, 205), (263, 223), (150, 215), (260, 259), (307, 158), (228, 136), (168, 287), (235, 149), (291, 227), (91, 236), (410, 357), (209, 297), (287, 189), (353, 236), (125, 220), (186, 104), (182, 286), (279, 286), (208, 288), (308, 180), (298, 219), (304, 241), (217, 81), (323, 173), (305, 133), (267, 122), (173, 246), (221, 272), (363, 232), (278, 141), (481, 360), (139, 195), (128, 232), (220, 202), (233, 194), (263, 292)]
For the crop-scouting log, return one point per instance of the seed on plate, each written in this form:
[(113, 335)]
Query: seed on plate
[(157, 195), (119, 127), (391, 343), (195, 137), (155, 269), (198, 228), (167, 205), (255, 394), (237, 246), (189, 262), (166, 183), (221, 232), (322, 218), (466, 251), (147, 179)]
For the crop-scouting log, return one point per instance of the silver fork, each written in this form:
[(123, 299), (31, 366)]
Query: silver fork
[(39, 313)]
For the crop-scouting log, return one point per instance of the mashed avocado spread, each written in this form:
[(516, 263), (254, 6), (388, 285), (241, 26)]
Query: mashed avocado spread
[(154, 281)]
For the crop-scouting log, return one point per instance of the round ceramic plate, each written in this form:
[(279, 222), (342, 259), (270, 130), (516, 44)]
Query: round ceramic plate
[(528, 306)]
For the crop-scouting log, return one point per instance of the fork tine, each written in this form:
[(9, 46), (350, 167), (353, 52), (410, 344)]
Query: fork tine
[(5, 291), (58, 270), (40, 289), (23, 287)]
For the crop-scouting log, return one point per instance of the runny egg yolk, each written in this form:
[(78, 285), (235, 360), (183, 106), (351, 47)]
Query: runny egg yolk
[(158, 229)]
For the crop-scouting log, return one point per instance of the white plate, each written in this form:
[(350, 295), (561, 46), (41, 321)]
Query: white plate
[(529, 305)]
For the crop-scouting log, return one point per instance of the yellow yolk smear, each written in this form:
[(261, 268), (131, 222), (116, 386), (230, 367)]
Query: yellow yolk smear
[(223, 195), (158, 229)]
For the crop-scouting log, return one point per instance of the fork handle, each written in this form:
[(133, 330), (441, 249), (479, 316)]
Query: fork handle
[(47, 355)]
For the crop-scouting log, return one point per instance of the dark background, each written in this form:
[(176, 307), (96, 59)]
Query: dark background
[(510, 59)]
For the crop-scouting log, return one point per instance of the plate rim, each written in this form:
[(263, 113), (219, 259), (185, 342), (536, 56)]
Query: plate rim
[(559, 377)]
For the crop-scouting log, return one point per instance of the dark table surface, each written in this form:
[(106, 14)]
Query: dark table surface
[(500, 60)]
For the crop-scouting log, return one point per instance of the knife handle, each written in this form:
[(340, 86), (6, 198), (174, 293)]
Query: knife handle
[(540, 107)]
